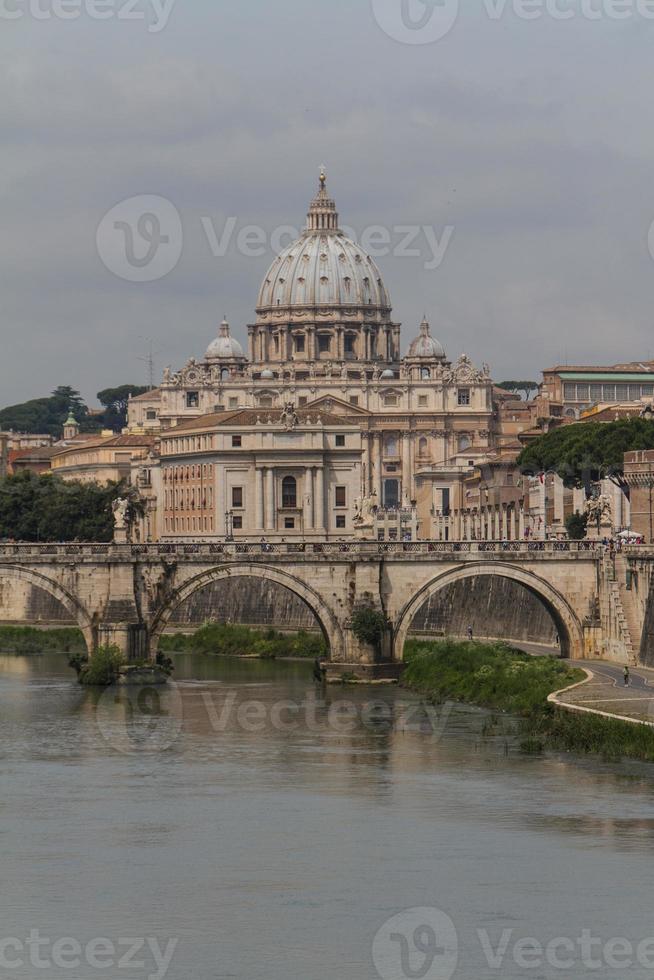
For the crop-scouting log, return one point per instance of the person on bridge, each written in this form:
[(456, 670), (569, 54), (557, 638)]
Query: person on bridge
[(626, 676)]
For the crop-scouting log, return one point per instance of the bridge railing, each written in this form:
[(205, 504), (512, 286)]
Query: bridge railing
[(240, 549)]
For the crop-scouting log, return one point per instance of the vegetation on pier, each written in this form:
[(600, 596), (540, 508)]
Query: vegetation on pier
[(225, 640), (500, 677)]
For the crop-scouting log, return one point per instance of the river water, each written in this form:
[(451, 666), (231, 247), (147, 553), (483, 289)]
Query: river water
[(244, 824)]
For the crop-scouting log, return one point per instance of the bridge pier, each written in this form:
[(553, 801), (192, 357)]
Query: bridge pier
[(132, 639)]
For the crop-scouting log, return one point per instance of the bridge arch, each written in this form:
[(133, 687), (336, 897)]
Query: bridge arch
[(569, 627), (72, 606), (327, 620)]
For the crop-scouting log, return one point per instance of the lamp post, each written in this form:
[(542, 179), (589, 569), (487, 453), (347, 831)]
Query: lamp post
[(229, 525)]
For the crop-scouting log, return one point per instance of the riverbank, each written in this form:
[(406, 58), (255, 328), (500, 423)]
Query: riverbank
[(505, 679), (222, 640), (32, 641)]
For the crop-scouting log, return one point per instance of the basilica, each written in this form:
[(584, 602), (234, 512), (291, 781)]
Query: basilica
[(328, 426)]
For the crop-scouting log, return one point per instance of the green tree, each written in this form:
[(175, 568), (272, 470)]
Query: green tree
[(576, 525), (526, 388), (45, 508), (115, 402), (586, 452), (47, 415), (369, 626)]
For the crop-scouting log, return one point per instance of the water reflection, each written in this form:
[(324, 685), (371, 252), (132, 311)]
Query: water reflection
[(274, 827)]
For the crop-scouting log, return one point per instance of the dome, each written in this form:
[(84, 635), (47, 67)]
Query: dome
[(267, 375), (388, 375), (425, 345), (323, 268), (224, 347)]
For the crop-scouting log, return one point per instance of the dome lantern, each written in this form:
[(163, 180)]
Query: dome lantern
[(224, 347), (424, 345)]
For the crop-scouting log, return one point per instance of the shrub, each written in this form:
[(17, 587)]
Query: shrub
[(103, 668), (369, 627)]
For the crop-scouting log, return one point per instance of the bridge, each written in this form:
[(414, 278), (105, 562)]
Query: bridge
[(126, 594)]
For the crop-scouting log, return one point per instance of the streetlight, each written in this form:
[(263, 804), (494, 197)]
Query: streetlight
[(229, 525)]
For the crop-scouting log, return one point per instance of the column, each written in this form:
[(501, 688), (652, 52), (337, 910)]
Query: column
[(498, 533), (260, 499), (319, 510), (557, 486), (270, 500), (505, 524), (406, 468), (377, 479), (308, 499), (521, 523)]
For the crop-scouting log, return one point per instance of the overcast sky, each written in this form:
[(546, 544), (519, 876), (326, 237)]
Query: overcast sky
[(524, 146)]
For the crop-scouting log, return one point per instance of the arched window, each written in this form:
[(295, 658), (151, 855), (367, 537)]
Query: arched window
[(423, 446), (289, 492), (390, 446), (464, 443), (225, 374), (425, 374)]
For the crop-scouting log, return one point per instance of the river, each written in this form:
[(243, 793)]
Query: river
[(238, 826)]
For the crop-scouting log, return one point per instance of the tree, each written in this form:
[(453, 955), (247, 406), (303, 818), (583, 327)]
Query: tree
[(45, 508), (587, 452), (576, 525), (115, 402), (527, 388), (47, 415)]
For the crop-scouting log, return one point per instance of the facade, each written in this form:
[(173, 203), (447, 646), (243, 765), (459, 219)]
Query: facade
[(279, 474), (639, 476), (101, 460), (324, 340), (571, 390)]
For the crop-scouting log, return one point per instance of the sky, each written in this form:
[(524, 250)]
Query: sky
[(495, 155)]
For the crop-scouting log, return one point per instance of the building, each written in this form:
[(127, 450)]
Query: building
[(104, 459), (274, 473), (571, 390), (639, 476), (324, 340)]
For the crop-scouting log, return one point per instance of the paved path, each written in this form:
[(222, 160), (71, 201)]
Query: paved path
[(606, 691)]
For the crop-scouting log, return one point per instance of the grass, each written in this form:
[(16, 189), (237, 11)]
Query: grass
[(499, 677), (220, 640), (27, 640)]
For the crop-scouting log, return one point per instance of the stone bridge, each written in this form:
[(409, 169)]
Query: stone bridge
[(126, 595)]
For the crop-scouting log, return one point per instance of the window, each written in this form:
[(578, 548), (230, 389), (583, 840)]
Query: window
[(464, 396), (237, 523), (349, 345), (302, 400), (570, 392), (391, 446), (324, 341), (289, 492), (354, 399), (425, 374), (266, 401), (423, 446), (225, 374), (340, 521), (237, 442), (192, 399), (340, 496), (391, 494), (423, 401), (233, 402), (390, 400), (237, 496), (299, 344), (150, 414), (464, 443), (340, 442), (289, 523)]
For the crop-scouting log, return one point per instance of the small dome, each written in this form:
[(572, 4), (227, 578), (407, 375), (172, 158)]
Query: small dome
[(267, 375), (425, 345), (224, 347), (388, 375)]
